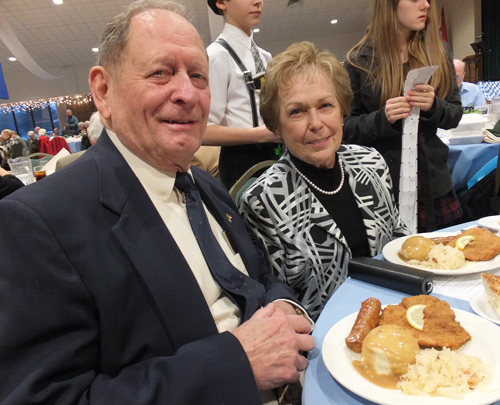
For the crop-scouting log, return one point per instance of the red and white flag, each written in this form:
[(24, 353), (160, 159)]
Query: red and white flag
[(444, 32)]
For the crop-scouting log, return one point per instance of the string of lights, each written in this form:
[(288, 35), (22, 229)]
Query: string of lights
[(79, 99)]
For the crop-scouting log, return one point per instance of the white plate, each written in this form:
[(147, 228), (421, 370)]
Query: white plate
[(390, 252), (481, 306), (484, 344), (465, 139), (490, 222)]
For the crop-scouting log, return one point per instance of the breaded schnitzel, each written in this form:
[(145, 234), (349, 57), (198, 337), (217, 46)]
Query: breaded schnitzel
[(440, 328), (485, 247)]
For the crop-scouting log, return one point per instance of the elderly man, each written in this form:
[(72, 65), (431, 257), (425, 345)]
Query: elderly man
[(71, 120), (32, 143), (471, 94), (9, 138), (122, 303)]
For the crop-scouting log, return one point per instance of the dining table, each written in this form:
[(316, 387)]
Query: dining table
[(75, 144), (464, 161), (319, 387)]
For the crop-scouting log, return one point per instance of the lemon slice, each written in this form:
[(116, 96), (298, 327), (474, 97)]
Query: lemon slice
[(464, 241), (415, 316)]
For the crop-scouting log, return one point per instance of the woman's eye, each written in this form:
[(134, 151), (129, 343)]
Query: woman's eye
[(158, 73), (294, 112), (325, 105)]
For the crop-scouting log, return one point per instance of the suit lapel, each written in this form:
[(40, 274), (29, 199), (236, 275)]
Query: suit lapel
[(167, 279)]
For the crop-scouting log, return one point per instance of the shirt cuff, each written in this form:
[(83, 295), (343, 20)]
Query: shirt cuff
[(299, 310)]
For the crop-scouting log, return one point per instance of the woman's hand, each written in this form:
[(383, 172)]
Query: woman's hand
[(397, 108), (422, 97)]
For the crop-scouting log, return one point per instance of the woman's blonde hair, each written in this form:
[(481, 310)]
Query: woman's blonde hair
[(297, 58), (424, 49)]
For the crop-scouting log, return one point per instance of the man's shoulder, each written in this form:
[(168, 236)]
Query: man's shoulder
[(470, 86)]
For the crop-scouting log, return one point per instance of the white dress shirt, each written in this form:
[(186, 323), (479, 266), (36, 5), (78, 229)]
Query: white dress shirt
[(230, 105), (170, 205)]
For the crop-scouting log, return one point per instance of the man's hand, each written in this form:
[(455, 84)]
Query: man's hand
[(422, 97), (397, 108), (273, 342)]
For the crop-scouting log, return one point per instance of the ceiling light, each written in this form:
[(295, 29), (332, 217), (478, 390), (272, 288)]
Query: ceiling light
[(12, 59), (58, 1), (95, 49), (256, 30), (334, 21)]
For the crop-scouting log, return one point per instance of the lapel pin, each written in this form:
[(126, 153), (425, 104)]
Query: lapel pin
[(229, 218)]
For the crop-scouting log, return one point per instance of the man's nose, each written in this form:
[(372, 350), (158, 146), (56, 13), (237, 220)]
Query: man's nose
[(184, 89)]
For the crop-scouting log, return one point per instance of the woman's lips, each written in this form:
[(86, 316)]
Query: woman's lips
[(319, 141)]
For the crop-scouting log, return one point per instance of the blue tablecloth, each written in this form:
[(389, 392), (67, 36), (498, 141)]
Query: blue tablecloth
[(75, 146), (464, 161)]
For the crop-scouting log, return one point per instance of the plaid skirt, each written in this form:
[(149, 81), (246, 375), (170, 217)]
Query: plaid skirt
[(447, 211)]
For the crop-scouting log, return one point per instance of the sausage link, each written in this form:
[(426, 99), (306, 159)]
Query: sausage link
[(366, 320)]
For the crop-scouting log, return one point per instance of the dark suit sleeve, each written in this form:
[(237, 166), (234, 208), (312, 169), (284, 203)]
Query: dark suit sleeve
[(9, 184), (51, 335)]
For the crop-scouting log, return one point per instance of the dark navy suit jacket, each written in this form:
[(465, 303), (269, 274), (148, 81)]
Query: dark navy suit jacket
[(104, 309)]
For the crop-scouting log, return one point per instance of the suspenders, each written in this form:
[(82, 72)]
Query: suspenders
[(248, 79)]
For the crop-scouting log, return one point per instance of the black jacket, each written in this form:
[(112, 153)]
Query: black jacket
[(368, 125), (9, 184)]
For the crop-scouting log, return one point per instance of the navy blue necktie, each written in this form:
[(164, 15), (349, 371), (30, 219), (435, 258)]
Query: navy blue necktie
[(246, 292)]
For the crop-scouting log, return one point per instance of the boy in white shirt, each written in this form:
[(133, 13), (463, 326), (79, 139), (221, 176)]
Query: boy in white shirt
[(232, 124)]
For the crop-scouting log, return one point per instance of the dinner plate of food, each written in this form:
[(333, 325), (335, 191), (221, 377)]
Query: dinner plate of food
[(473, 250), (491, 222), (399, 364), (486, 301)]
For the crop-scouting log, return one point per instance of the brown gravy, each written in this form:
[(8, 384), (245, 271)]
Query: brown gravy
[(402, 257), (385, 381)]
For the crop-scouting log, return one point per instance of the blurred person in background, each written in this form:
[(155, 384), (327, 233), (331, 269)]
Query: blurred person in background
[(71, 120), (470, 93), (32, 143)]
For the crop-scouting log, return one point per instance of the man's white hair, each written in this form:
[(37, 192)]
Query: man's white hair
[(95, 127)]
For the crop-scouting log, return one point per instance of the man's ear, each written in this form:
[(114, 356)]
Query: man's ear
[(99, 81)]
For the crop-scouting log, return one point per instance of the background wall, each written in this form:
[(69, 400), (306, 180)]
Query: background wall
[(463, 20)]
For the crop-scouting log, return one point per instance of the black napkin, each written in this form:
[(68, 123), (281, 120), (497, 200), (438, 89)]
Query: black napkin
[(394, 276)]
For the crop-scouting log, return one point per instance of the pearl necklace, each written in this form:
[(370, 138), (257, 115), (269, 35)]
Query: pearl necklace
[(320, 189)]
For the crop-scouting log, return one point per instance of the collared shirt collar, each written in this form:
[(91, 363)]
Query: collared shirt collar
[(238, 35), (156, 181)]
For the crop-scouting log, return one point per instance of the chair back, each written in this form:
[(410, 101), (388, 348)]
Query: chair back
[(59, 143), (44, 144), (39, 159), (247, 179), (16, 150)]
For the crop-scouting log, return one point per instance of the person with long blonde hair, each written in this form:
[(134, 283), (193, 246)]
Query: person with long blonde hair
[(403, 35)]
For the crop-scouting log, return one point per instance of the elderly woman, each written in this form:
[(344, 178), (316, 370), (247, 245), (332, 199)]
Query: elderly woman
[(322, 203)]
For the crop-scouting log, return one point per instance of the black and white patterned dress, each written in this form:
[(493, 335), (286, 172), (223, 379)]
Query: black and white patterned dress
[(281, 213)]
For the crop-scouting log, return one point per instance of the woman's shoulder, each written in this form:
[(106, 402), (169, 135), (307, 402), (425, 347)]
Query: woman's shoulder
[(272, 178)]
